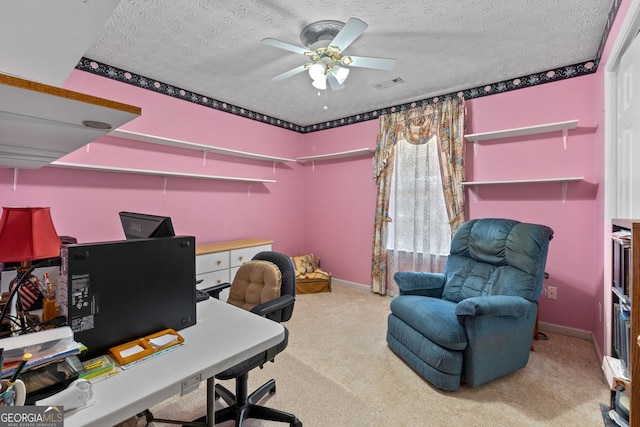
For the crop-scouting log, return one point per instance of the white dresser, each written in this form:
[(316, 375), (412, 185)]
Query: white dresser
[(218, 262)]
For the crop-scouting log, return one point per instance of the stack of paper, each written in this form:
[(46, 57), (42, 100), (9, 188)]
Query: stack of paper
[(45, 346)]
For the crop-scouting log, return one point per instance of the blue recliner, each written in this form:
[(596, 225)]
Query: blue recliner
[(475, 322)]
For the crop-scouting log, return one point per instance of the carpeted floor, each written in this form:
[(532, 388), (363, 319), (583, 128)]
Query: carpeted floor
[(338, 371)]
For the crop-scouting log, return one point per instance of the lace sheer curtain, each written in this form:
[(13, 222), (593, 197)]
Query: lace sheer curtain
[(420, 160)]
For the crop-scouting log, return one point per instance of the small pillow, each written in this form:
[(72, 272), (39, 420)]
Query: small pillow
[(303, 264), (255, 283)]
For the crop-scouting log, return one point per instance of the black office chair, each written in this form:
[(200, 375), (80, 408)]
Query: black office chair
[(254, 289), (280, 309)]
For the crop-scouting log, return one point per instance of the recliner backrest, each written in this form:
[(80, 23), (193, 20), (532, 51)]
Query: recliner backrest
[(493, 256)]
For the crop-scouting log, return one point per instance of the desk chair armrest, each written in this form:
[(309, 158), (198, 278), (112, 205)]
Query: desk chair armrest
[(274, 306), (215, 290)]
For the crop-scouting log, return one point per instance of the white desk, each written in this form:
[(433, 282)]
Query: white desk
[(222, 337)]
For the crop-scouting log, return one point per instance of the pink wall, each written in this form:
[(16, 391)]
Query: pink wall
[(340, 197), (573, 261)]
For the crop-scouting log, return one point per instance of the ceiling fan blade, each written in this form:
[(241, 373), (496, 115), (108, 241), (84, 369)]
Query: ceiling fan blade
[(333, 82), (349, 33), (375, 63), (286, 46), (289, 73)]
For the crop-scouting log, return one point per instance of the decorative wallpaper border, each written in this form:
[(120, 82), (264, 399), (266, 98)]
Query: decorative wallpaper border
[(522, 82)]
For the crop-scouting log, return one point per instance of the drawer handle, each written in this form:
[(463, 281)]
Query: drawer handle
[(219, 262), (240, 257), (219, 281)]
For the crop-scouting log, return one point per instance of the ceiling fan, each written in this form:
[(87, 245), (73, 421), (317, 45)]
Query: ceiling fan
[(325, 43)]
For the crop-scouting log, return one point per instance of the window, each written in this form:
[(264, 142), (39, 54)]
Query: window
[(419, 234)]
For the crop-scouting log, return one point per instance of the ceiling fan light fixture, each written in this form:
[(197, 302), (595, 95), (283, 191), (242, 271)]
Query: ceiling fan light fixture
[(346, 60), (317, 71), (340, 73), (321, 83)]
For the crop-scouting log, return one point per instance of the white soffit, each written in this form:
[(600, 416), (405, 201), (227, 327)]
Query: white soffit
[(43, 40)]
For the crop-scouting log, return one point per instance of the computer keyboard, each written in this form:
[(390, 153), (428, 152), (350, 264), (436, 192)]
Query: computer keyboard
[(201, 295)]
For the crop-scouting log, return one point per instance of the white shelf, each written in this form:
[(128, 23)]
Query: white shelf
[(339, 155), (156, 172), (152, 139), (523, 131), (564, 181), (524, 181)]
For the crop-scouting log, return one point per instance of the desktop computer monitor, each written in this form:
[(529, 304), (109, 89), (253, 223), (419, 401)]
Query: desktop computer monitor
[(144, 226)]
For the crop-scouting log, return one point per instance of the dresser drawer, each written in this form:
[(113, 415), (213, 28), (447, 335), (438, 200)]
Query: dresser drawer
[(240, 256), (212, 262), (212, 278)]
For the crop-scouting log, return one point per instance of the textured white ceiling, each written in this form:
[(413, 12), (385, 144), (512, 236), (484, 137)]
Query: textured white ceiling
[(213, 48)]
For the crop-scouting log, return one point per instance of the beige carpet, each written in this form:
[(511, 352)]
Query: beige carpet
[(338, 371)]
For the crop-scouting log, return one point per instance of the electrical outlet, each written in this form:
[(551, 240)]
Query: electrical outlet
[(552, 292)]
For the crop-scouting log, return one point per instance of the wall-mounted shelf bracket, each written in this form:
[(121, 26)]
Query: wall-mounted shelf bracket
[(476, 189)]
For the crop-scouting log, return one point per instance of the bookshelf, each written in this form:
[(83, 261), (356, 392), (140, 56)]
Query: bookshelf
[(625, 286)]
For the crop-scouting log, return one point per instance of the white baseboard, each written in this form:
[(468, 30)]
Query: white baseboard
[(348, 284), (573, 332), (565, 330)]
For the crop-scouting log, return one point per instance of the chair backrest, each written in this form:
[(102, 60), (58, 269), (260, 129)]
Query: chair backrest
[(256, 292), (255, 283), (494, 256)]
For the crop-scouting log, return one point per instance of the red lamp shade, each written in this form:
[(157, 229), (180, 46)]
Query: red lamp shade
[(27, 234)]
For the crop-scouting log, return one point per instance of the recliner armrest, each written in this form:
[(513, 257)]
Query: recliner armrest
[(420, 283), (494, 305), (215, 290), (274, 306)]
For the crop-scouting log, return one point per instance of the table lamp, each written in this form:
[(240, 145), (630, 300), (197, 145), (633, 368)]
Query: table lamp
[(26, 234)]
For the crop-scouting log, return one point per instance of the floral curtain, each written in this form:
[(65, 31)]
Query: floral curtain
[(443, 120)]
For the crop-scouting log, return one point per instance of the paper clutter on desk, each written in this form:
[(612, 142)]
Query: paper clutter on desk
[(97, 366), (145, 347), (164, 340)]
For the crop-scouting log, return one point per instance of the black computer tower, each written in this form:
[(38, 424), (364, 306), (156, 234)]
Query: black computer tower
[(120, 291)]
